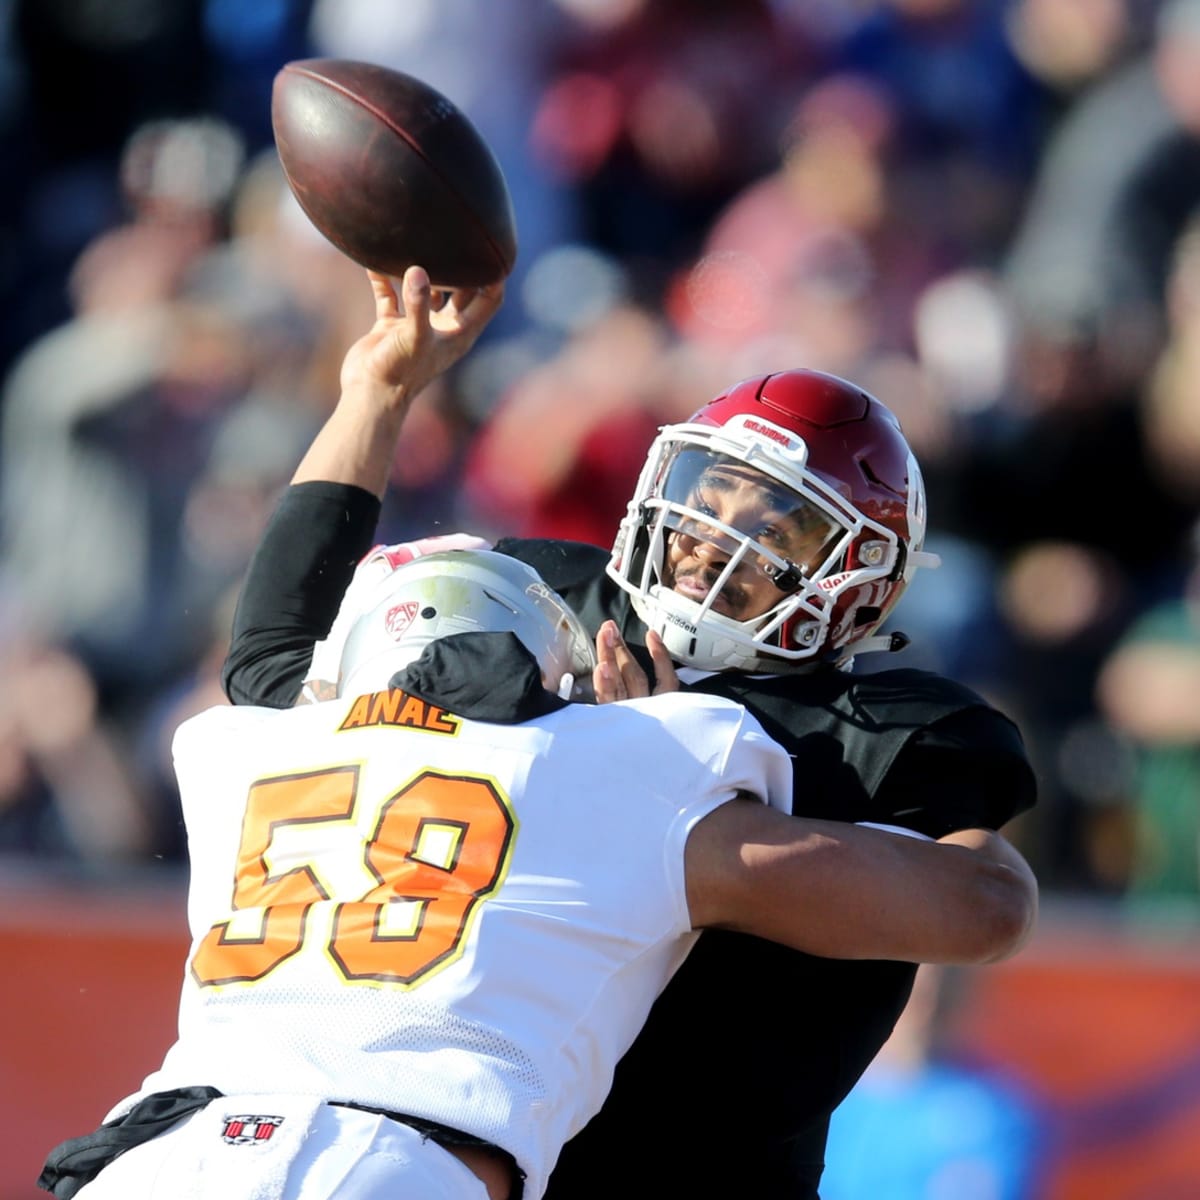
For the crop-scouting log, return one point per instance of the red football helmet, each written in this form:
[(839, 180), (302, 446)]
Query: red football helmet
[(800, 478)]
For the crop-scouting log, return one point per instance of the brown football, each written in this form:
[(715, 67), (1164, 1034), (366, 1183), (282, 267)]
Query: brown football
[(392, 173)]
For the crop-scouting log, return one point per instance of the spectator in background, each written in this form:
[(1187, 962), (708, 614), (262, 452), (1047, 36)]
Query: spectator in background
[(1116, 185), (805, 263), (89, 78), (967, 116), (1149, 689), (1169, 412), (926, 1123), (1087, 406), (1148, 686), (115, 421), (103, 416), (1068, 46), (144, 440), (657, 111), (67, 794), (562, 450)]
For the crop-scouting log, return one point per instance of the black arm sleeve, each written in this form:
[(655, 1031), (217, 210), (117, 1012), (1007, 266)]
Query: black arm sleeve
[(293, 588)]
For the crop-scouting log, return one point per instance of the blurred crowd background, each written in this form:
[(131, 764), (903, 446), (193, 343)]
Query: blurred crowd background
[(985, 211), (981, 210)]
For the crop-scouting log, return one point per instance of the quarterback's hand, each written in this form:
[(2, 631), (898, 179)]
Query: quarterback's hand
[(618, 676), (417, 335)]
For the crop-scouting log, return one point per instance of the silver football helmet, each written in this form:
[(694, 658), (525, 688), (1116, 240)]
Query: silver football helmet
[(464, 591)]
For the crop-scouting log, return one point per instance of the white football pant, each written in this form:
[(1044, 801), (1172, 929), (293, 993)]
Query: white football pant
[(279, 1147)]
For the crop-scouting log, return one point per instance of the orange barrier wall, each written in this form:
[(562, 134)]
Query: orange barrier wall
[(90, 989), (1103, 1024)]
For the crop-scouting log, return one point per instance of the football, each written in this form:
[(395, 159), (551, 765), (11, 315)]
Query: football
[(392, 172)]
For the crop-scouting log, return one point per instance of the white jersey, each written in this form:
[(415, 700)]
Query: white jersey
[(443, 918)]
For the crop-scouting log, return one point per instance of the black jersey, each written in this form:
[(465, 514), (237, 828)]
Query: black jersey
[(728, 1089)]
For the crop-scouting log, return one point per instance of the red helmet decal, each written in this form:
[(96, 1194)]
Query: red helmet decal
[(400, 617)]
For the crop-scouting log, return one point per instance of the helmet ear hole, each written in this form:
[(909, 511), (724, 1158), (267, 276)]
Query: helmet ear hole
[(866, 614)]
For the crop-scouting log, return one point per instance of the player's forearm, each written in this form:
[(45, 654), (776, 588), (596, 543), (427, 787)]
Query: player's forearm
[(890, 896), (412, 343), (842, 891), (901, 898), (1009, 904), (355, 446)]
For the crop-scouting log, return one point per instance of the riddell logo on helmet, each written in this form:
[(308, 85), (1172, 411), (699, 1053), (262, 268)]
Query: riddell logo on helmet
[(833, 581), (674, 619), (398, 619), (767, 431)]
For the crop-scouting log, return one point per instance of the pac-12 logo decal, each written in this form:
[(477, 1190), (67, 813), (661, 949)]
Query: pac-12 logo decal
[(248, 1130), (401, 617)]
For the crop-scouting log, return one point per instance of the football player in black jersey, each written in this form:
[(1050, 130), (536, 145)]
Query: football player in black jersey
[(769, 538)]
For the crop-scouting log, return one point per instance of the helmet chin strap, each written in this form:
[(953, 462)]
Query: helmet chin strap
[(887, 642), (922, 558)]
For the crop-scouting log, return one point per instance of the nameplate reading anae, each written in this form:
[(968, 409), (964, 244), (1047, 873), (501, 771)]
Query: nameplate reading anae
[(395, 707)]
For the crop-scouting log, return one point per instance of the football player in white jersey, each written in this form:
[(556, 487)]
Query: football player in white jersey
[(430, 915)]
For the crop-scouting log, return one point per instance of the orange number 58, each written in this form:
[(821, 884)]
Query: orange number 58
[(441, 844)]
